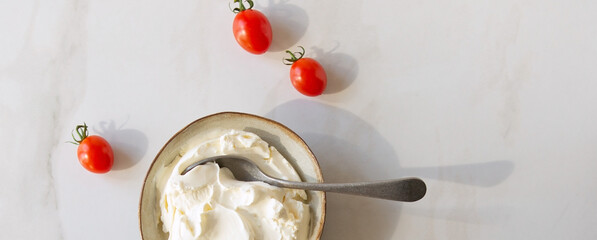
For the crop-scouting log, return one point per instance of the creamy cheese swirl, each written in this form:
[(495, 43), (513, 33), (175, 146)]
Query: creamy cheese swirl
[(208, 203)]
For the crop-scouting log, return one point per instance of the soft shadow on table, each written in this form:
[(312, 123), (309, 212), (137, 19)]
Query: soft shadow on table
[(354, 151), (341, 69), (289, 23), (349, 149), (129, 145)]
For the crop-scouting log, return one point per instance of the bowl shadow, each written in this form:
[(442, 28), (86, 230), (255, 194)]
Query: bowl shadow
[(361, 154)]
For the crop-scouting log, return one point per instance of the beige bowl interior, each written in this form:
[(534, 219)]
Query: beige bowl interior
[(285, 140)]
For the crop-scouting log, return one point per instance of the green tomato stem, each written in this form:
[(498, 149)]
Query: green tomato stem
[(293, 58), (241, 7), (82, 132)]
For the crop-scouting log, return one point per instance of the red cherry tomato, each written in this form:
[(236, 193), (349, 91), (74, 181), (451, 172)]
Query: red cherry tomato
[(251, 29), (94, 152), (307, 75)]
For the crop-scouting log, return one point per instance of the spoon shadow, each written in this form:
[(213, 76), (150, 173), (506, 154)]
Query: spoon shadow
[(482, 174)]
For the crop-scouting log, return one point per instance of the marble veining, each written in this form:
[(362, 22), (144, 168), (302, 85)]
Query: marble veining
[(50, 80)]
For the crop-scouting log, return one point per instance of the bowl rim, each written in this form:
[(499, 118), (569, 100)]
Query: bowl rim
[(293, 135)]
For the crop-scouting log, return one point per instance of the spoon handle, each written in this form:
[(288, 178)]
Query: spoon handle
[(406, 190)]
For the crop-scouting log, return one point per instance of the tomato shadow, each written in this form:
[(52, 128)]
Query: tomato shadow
[(359, 154), (341, 69), (129, 145), (289, 23)]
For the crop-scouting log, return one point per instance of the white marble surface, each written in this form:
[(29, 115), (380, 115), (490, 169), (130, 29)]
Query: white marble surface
[(493, 103)]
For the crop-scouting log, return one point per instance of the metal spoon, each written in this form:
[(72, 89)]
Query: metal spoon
[(406, 190)]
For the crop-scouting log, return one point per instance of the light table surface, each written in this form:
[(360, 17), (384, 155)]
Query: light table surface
[(492, 103)]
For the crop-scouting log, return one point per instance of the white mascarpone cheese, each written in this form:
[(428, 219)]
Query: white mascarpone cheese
[(208, 203)]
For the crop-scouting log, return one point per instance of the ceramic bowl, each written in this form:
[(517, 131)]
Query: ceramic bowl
[(282, 138)]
